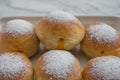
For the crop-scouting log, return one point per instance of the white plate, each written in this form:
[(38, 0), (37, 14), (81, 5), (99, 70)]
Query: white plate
[(86, 20)]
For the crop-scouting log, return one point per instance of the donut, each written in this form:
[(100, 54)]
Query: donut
[(58, 65), (101, 40), (15, 66), (18, 36), (60, 30), (102, 68)]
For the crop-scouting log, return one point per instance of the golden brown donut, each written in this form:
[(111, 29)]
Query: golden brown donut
[(101, 40), (102, 68), (58, 65), (60, 30), (15, 66), (18, 36)]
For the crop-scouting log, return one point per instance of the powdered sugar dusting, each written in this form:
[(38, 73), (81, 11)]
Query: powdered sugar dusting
[(106, 68), (58, 63), (103, 33), (18, 26), (59, 16), (11, 66)]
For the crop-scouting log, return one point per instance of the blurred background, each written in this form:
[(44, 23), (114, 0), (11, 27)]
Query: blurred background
[(76, 7)]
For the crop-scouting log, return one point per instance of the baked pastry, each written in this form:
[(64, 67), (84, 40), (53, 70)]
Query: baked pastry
[(102, 68), (18, 36), (58, 65), (15, 66), (101, 40), (60, 30)]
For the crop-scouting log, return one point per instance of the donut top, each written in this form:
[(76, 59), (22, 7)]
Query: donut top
[(106, 68), (18, 26), (103, 33), (59, 16), (58, 63), (11, 66)]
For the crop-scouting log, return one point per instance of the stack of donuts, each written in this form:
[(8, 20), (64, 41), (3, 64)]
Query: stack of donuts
[(59, 32)]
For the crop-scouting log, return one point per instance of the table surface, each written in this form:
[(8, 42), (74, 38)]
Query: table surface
[(76, 7)]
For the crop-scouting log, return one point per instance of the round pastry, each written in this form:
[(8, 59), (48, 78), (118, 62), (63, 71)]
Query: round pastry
[(15, 66), (19, 36), (101, 40), (60, 30), (58, 65), (102, 68)]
